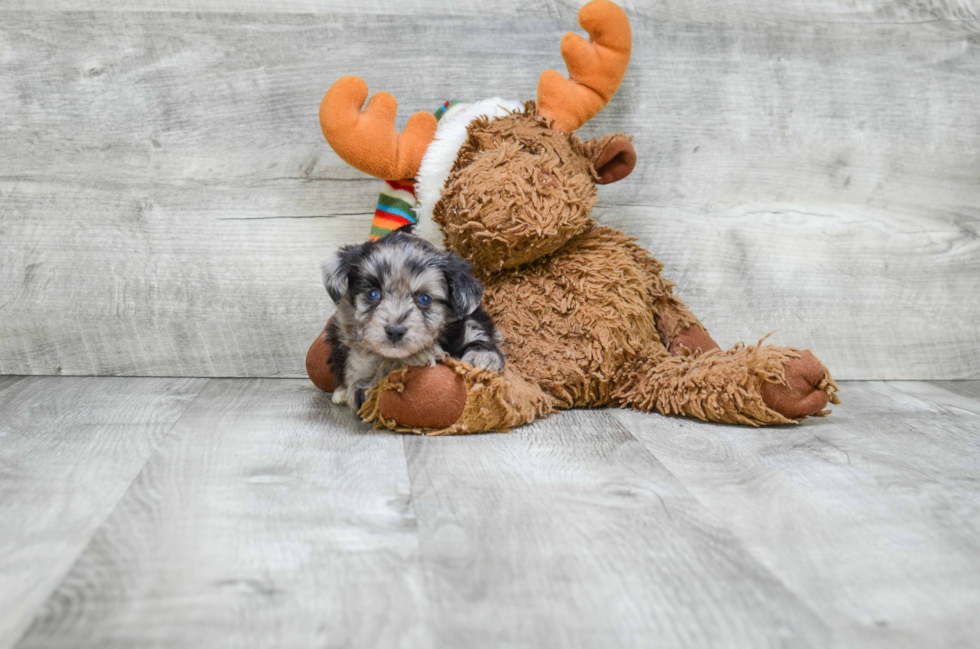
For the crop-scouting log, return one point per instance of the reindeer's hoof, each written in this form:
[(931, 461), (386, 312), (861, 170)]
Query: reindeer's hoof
[(433, 398), (803, 394), (694, 339), (318, 367)]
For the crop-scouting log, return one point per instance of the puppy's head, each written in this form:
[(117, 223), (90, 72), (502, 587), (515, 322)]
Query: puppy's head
[(401, 292)]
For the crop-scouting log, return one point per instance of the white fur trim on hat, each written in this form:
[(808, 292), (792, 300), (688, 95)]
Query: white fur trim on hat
[(440, 156)]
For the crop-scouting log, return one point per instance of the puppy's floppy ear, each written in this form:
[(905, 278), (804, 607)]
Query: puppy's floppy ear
[(465, 292), (336, 270)]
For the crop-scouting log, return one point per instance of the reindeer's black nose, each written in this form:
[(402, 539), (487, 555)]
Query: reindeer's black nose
[(395, 332)]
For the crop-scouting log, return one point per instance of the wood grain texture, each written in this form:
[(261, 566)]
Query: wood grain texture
[(870, 517), (697, 11), (969, 389), (166, 196), (267, 518), (569, 533), (69, 449), (333, 7)]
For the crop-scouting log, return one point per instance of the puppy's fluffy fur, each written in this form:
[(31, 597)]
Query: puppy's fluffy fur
[(402, 302)]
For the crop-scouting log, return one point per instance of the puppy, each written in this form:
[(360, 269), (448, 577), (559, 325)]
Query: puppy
[(401, 302)]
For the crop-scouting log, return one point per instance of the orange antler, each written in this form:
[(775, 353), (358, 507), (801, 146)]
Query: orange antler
[(596, 67), (368, 141)]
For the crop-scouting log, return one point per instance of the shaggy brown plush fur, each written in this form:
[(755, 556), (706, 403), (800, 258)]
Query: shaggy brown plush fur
[(723, 386), (495, 402), (543, 191), (586, 317), (572, 320)]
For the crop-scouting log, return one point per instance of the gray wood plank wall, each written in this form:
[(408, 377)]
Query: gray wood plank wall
[(809, 166)]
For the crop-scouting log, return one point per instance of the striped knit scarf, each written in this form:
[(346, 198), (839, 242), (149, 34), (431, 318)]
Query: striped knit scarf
[(396, 203), (396, 208)]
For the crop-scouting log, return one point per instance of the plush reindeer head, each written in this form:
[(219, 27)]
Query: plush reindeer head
[(507, 182)]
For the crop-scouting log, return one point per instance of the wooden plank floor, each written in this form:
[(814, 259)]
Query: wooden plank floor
[(251, 512)]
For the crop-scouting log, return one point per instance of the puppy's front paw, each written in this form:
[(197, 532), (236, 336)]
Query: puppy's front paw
[(487, 359), (339, 396), (357, 400)]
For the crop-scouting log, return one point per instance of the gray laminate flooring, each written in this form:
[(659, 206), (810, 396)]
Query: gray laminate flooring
[(165, 512)]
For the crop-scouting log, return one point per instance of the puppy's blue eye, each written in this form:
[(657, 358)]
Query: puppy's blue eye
[(374, 295), (424, 300)]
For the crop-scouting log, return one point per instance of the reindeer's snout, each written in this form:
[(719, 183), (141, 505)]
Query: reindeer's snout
[(520, 191)]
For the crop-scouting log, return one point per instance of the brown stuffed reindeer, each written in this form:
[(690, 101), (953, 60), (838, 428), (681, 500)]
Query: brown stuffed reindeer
[(586, 317)]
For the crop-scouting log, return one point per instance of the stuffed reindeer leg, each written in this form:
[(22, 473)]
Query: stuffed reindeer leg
[(318, 366), (454, 398), (680, 331), (754, 385), (690, 374), (449, 398)]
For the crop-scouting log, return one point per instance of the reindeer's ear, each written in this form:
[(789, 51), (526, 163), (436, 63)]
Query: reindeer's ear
[(336, 270), (613, 158), (465, 292)]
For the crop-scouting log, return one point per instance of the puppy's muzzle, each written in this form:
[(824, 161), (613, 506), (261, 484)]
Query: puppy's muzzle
[(395, 332)]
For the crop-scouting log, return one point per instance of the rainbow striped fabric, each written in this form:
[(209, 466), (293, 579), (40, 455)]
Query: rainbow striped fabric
[(447, 107), (396, 204), (396, 208)]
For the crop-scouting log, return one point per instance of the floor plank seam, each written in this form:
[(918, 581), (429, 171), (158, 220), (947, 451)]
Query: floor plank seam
[(708, 513), (109, 512), (426, 580), (891, 385)]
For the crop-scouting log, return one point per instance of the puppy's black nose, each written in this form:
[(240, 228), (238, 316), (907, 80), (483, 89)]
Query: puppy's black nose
[(395, 332)]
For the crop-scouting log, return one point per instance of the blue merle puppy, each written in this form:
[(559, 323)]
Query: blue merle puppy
[(400, 301)]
